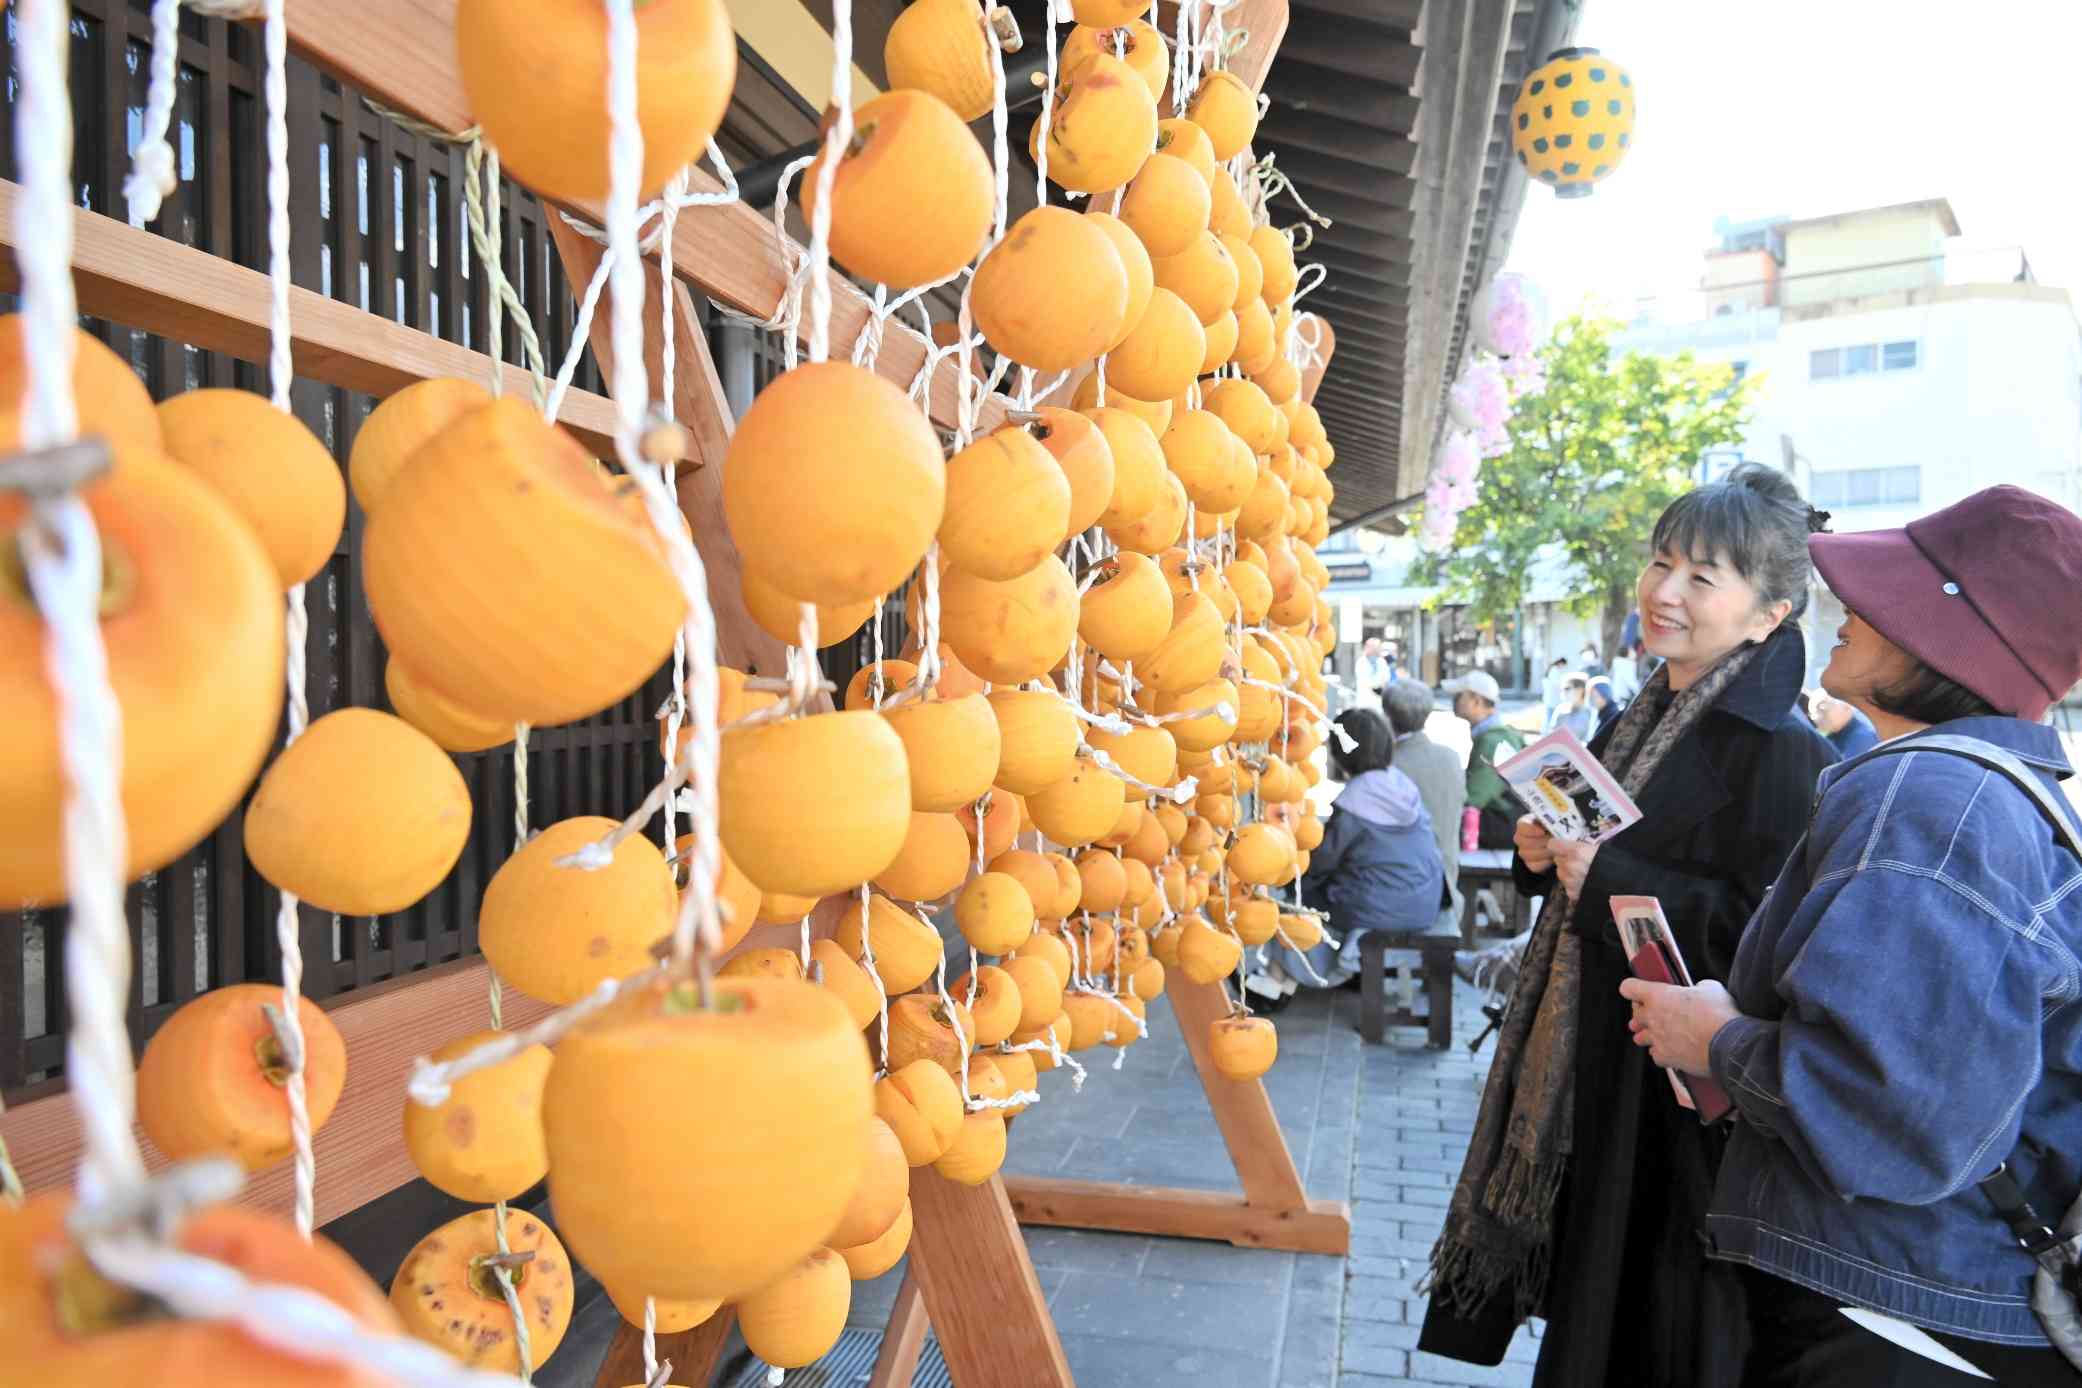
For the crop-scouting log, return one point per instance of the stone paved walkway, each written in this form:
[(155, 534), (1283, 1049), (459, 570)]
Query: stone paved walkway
[(1382, 1126)]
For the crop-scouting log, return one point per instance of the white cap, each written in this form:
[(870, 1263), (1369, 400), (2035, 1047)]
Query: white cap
[(1477, 682)]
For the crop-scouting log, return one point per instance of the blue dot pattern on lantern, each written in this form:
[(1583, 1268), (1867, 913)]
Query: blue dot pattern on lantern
[(1544, 132)]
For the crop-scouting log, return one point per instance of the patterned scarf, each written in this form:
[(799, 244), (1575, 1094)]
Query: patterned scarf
[(1500, 1225)]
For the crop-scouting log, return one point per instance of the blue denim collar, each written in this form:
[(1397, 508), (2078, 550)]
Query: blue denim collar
[(2034, 744)]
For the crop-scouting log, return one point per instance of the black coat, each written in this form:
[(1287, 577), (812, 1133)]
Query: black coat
[(1631, 1299)]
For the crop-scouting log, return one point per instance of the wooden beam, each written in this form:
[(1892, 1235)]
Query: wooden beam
[(1320, 1226), (979, 1287), (1342, 139), (693, 1353), (402, 53), (1274, 1210), (897, 1362), (359, 1152), (143, 280)]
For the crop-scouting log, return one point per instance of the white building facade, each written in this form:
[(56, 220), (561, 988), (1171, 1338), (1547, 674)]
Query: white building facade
[(1900, 368)]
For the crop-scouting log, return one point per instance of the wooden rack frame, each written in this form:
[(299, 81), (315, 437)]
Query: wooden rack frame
[(969, 1273)]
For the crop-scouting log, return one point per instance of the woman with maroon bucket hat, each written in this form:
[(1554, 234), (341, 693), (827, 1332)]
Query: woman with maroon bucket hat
[(1904, 1016)]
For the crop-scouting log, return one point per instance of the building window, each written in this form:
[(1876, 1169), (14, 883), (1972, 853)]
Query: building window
[(1869, 486), (1862, 359)]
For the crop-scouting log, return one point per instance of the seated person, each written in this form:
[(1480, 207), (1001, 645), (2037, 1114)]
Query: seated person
[(1574, 712), (1605, 707), (1378, 867)]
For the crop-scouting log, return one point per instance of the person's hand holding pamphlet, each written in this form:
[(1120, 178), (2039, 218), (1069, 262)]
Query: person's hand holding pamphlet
[(1568, 790), (1651, 950)]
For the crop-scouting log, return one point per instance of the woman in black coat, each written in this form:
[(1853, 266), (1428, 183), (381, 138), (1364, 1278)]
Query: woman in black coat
[(1586, 1184)]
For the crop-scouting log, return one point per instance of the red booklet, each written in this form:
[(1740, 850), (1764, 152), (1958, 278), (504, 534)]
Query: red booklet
[(1652, 953)]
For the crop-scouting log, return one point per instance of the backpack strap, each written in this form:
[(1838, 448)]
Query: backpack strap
[(1994, 759), (1973, 749)]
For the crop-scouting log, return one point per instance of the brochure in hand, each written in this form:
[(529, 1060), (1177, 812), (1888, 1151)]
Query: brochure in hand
[(1568, 790), (1651, 950)]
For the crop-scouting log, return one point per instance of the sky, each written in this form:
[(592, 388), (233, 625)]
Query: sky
[(1756, 108)]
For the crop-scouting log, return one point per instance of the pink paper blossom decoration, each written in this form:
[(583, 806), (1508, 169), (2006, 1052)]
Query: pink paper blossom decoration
[(1526, 374), (1438, 528), (1480, 400), (1509, 315), (1460, 457)]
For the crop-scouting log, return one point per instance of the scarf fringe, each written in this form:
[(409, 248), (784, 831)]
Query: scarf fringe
[(1465, 1275)]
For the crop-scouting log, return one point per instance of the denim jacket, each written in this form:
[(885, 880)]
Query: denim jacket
[(1909, 990)]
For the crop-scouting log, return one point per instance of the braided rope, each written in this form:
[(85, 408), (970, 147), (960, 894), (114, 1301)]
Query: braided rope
[(296, 623)]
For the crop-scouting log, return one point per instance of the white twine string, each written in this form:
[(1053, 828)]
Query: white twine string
[(61, 553), (696, 930), (288, 1320), (968, 401), (296, 623), (1047, 116), (432, 1081), (867, 957), (835, 141), (62, 556), (1185, 58), (154, 175)]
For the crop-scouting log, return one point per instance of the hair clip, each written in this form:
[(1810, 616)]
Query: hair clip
[(1817, 521)]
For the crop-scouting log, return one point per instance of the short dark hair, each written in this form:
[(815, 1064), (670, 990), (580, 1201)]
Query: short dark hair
[(1373, 746), (1925, 696), (1756, 520), (1408, 704)]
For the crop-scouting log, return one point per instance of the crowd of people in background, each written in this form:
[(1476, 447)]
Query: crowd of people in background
[(1878, 888)]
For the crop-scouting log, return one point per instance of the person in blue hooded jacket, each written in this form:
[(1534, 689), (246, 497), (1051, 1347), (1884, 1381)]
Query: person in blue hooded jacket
[(1904, 1012), (1378, 867)]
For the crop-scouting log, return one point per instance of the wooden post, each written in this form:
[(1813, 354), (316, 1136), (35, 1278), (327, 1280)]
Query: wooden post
[(979, 1286), (693, 1353), (1274, 1210), (903, 1338)]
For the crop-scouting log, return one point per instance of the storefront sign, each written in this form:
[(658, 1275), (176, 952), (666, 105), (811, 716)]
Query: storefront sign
[(1351, 571)]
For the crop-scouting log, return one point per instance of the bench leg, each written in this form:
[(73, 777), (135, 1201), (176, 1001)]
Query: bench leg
[(1373, 1008), (1438, 987)]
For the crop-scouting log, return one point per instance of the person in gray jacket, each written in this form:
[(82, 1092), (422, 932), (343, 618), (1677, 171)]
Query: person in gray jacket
[(1440, 779)]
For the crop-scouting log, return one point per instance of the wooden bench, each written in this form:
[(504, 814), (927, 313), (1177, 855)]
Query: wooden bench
[(1435, 951), (1490, 867)]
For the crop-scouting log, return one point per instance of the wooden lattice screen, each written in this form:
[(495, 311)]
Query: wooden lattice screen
[(388, 235)]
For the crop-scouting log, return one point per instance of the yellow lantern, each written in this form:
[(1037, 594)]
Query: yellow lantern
[(1573, 120)]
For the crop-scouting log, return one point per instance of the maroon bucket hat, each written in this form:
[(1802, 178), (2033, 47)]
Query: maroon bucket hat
[(1987, 592)]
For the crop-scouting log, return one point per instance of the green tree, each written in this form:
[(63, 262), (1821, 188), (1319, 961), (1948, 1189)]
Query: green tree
[(1595, 456)]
